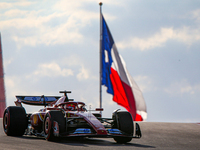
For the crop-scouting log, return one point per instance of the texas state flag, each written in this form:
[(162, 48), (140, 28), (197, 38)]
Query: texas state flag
[(117, 79)]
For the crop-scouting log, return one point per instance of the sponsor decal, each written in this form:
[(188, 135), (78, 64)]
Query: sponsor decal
[(35, 119), (41, 117), (82, 131), (114, 131)]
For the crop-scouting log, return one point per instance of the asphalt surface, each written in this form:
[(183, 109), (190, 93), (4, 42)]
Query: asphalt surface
[(154, 136)]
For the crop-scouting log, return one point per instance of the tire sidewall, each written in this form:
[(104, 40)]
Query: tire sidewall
[(6, 121), (48, 131)]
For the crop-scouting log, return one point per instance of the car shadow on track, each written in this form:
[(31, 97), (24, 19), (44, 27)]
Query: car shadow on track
[(85, 142), (97, 142)]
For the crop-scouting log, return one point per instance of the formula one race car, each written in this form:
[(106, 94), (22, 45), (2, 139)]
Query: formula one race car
[(62, 117)]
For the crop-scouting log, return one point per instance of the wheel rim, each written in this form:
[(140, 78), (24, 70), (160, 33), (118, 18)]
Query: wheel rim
[(47, 125), (5, 122)]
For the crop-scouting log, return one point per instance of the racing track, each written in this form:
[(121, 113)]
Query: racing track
[(155, 136)]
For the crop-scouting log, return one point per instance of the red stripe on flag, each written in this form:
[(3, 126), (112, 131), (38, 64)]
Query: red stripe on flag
[(138, 118), (123, 94), (131, 100), (119, 94)]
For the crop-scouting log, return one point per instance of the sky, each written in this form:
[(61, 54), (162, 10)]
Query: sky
[(50, 46)]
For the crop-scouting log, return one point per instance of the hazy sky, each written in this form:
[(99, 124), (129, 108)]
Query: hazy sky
[(50, 46)]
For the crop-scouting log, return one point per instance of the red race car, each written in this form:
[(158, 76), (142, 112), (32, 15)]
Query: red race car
[(63, 117)]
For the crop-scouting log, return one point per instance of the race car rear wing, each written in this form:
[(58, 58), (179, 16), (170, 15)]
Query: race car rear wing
[(36, 100)]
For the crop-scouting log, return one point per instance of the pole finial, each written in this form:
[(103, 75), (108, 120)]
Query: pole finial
[(100, 3)]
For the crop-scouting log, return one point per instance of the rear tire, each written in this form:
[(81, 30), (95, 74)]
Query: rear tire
[(15, 121), (124, 122), (49, 119)]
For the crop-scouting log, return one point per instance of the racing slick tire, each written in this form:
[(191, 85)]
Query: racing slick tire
[(124, 122), (48, 125), (14, 121)]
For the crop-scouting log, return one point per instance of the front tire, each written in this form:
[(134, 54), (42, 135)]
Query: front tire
[(124, 122), (14, 121), (48, 126)]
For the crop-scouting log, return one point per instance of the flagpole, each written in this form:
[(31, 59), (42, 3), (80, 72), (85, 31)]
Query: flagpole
[(100, 59)]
